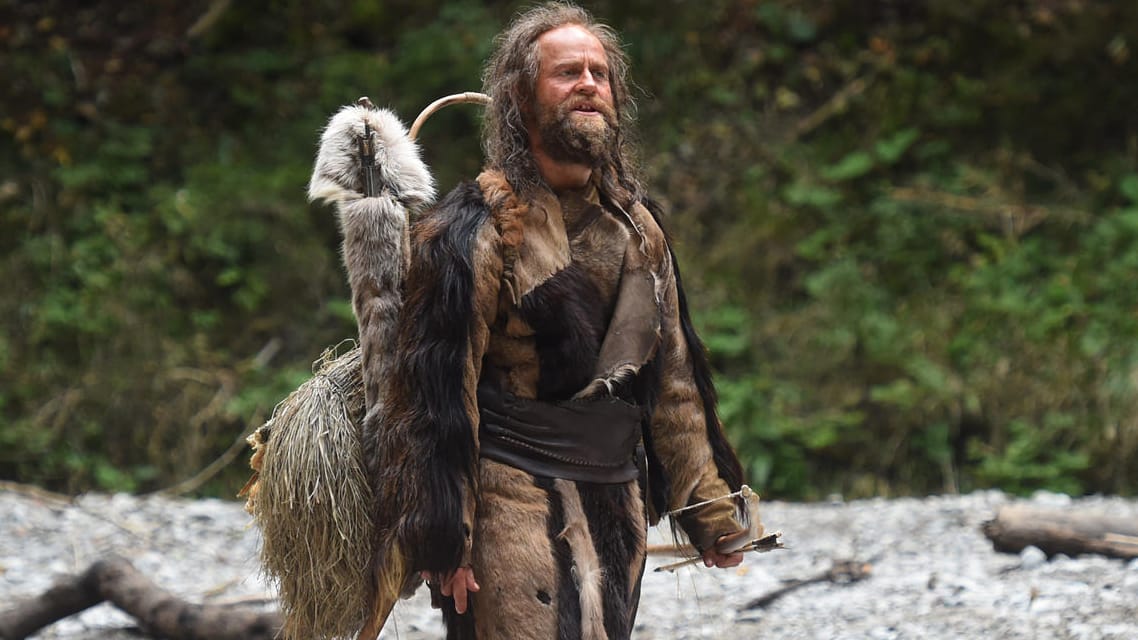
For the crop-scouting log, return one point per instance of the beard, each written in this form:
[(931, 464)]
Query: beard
[(578, 139)]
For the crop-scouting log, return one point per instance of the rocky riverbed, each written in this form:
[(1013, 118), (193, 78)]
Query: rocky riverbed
[(934, 575)]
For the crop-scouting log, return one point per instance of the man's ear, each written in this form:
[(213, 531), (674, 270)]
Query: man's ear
[(525, 106)]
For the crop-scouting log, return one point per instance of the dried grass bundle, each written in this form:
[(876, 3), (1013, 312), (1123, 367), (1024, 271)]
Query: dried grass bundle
[(310, 497)]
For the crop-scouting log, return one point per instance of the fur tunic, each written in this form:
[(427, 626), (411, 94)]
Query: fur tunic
[(550, 300)]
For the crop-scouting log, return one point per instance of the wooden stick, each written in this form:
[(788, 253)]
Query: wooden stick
[(764, 544), (671, 550), (840, 572)]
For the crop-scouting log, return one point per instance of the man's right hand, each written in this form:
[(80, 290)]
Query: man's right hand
[(458, 585)]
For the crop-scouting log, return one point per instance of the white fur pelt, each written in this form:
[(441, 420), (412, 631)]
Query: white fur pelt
[(336, 174), (375, 229)]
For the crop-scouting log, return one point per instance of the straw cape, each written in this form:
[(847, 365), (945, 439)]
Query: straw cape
[(309, 492), (310, 498)]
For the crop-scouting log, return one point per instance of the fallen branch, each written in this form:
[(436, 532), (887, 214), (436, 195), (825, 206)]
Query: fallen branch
[(37, 493), (206, 21), (841, 572), (158, 612), (1064, 531), (837, 104), (212, 469)]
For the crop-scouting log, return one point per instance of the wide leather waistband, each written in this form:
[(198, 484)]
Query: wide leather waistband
[(585, 440)]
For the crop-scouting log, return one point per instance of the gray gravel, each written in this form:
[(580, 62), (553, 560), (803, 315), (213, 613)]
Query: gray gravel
[(934, 574)]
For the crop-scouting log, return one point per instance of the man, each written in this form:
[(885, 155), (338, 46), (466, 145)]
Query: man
[(548, 396)]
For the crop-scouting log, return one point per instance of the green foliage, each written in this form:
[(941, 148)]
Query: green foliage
[(909, 229), (937, 296)]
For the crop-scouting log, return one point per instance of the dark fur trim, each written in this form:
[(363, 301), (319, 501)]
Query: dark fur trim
[(423, 458), (725, 459), (568, 596), (646, 392), (614, 537), (568, 321), (459, 626)]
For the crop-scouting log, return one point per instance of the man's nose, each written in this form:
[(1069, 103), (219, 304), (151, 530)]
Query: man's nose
[(587, 83)]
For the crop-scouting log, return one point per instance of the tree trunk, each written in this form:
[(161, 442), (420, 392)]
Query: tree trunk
[(158, 612), (1063, 531)]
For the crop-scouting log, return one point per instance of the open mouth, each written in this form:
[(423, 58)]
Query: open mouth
[(584, 108)]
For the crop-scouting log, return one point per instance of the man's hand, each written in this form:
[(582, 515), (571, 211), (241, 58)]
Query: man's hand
[(458, 585), (713, 558)]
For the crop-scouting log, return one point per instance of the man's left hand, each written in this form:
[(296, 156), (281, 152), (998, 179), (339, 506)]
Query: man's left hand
[(713, 558)]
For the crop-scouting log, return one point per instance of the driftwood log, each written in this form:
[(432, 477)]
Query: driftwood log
[(1065, 531), (158, 612)]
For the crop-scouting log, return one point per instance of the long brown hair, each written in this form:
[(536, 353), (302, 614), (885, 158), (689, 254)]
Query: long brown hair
[(510, 78)]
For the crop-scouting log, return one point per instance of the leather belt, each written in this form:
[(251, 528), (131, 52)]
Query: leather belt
[(592, 440)]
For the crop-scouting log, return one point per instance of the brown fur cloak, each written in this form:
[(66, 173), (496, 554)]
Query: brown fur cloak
[(552, 299)]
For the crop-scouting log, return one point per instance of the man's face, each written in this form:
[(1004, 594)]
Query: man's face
[(574, 114)]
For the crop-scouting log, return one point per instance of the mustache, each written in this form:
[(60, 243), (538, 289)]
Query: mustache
[(607, 111)]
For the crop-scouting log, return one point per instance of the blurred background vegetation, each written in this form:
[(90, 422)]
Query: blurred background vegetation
[(909, 229)]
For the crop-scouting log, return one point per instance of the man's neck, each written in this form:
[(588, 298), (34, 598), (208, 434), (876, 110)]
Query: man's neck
[(561, 176)]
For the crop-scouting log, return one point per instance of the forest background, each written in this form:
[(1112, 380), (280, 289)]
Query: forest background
[(909, 229)]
